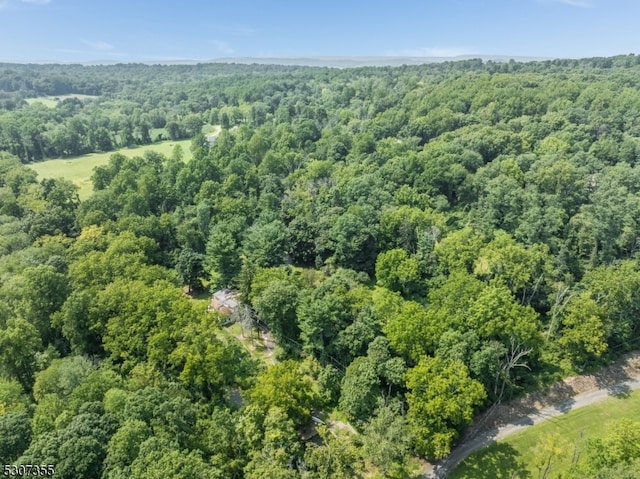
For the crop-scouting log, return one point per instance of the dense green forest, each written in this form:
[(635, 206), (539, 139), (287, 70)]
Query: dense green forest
[(422, 242)]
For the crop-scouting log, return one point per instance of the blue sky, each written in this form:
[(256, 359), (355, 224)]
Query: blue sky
[(131, 30)]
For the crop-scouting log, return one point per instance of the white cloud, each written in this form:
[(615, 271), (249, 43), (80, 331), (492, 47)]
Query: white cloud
[(222, 47), (99, 45), (578, 3), (433, 52), (572, 3), (13, 4)]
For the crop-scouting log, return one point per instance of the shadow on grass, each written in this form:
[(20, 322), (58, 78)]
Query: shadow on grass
[(564, 406), (620, 391), (499, 461)]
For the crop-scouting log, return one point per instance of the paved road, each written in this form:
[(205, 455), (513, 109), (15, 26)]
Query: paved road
[(441, 469)]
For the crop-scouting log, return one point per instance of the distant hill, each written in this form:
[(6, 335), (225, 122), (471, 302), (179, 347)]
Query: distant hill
[(349, 62), (312, 61)]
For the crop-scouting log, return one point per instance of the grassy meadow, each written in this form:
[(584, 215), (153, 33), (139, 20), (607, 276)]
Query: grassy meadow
[(519, 456), (79, 169)]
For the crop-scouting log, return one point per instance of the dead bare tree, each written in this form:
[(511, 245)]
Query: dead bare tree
[(515, 358), (561, 301)]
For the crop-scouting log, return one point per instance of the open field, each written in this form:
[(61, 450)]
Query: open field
[(520, 452), (79, 169), (52, 101)]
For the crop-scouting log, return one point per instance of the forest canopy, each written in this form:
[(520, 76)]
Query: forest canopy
[(422, 242)]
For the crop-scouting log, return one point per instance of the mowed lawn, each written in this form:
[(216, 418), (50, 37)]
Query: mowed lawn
[(79, 169), (521, 452)]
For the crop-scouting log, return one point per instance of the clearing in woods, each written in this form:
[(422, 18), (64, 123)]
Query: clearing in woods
[(79, 169)]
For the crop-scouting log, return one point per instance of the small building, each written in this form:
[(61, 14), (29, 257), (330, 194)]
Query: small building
[(211, 139), (224, 300)]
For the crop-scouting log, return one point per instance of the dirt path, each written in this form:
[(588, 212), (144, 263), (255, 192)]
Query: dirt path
[(572, 393), (270, 344), (264, 341)]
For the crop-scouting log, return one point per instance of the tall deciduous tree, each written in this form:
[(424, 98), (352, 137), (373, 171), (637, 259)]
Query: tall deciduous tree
[(360, 393), (276, 305), (442, 399), (189, 267), (222, 257), (283, 386), (337, 457), (387, 442), (15, 435), (19, 343), (585, 329), (280, 450)]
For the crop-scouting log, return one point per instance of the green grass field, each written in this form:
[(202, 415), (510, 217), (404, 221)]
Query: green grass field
[(52, 101), (79, 169), (520, 452)]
